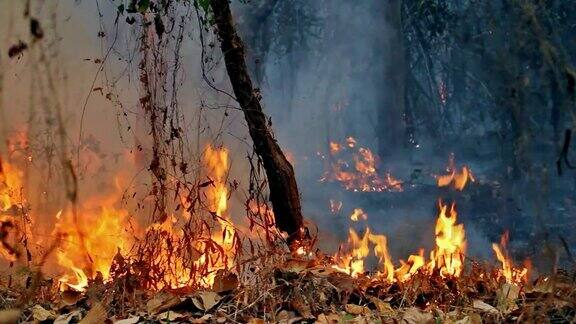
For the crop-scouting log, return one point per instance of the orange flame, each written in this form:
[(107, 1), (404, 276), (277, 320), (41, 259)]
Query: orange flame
[(90, 247), (10, 198), (511, 274), (450, 242), (447, 258), (352, 262), (458, 179)]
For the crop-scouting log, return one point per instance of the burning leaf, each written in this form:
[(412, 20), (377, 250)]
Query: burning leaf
[(39, 313), (10, 316), (205, 300)]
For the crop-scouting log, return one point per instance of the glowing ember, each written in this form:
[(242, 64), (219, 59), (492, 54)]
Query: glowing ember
[(362, 175), (512, 274)]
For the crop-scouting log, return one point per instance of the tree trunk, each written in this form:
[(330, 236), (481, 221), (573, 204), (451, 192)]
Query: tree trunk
[(390, 115), (281, 180)]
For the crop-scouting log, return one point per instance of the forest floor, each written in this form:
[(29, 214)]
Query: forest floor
[(303, 291)]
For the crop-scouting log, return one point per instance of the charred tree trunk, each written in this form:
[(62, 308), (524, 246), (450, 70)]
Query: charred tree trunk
[(281, 180)]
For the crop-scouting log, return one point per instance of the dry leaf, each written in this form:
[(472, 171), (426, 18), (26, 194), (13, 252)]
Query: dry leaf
[(472, 318), (71, 297), (162, 302), (225, 281), (205, 300), (295, 265), (507, 295), (383, 307), (131, 320), (39, 313), (96, 315), (9, 316), (415, 316), (255, 321), (170, 316), (480, 305), (356, 309), (328, 319), (202, 319), (67, 318)]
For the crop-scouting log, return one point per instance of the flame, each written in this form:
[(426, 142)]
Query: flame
[(10, 198), (450, 242), (89, 247), (408, 268), (357, 214), (362, 175), (447, 259), (10, 186), (511, 274), (216, 161), (457, 178), (352, 262)]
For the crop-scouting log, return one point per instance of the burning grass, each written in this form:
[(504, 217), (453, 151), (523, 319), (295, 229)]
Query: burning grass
[(100, 264)]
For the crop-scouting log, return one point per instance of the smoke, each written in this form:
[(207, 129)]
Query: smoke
[(330, 87), (322, 81)]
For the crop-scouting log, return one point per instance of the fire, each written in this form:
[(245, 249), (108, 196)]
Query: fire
[(10, 199), (359, 248), (357, 214), (447, 259), (450, 242), (89, 247), (409, 268), (457, 178), (198, 261), (10, 186), (362, 175), (511, 274), (216, 161)]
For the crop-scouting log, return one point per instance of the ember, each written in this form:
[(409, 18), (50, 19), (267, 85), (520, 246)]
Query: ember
[(362, 175)]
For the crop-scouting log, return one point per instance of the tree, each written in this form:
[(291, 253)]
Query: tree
[(284, 193)]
